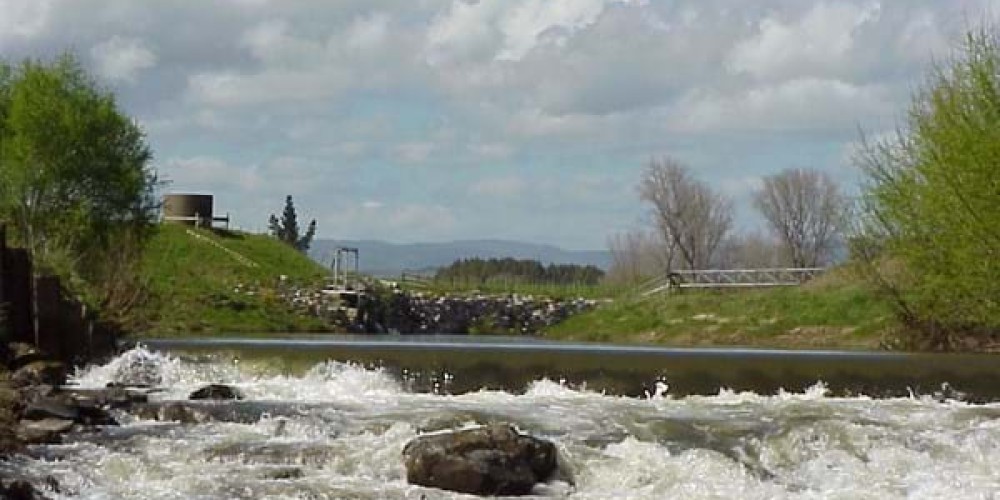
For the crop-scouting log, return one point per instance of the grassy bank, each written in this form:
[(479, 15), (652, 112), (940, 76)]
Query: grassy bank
[(835, 311), (210, 281)]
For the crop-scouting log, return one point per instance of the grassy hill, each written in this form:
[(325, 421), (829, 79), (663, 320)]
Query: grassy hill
[(834, 311), (216, 281)]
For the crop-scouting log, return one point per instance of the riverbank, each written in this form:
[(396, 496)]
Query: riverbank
[(832, 312)]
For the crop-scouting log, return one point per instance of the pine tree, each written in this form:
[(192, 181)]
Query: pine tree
[(286, 229)]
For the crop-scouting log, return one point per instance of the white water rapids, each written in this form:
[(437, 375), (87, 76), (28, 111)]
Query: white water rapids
[(341, 429)]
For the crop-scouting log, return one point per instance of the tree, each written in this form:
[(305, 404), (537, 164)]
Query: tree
[(74, 170), (750, 250), (804, 209), (286, 229), (636, 255), (76, 188), (930, 204), (690, 216)]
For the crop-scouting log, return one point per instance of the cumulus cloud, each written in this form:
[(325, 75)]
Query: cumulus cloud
[(806, 103), (122, 59), (371, 107), (823, 38)]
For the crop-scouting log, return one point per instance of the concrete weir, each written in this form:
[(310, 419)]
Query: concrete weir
[(458, 364)]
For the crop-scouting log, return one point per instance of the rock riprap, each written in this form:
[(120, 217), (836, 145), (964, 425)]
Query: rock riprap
[(492, 460)]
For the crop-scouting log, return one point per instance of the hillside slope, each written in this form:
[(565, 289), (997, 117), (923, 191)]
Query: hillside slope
[(205, 281)]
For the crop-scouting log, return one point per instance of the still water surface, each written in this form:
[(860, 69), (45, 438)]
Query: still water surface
[(340, 427)]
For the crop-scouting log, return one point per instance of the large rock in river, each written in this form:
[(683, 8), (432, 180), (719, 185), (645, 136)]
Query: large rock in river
[(491, 460), (216, 391)]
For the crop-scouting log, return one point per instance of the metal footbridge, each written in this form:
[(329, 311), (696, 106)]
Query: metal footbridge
[(731, 278)]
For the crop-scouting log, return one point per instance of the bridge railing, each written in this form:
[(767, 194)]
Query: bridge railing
[(732, 278)]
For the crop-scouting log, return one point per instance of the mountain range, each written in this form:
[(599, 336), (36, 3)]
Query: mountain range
[(386, 259)]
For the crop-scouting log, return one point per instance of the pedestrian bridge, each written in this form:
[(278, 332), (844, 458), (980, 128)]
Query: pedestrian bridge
[(731, 278)]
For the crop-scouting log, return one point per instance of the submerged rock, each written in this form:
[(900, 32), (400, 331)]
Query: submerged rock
[(45, 431), (65, 407), (283, 473), (19, 489), (216, 391), (491, 460)]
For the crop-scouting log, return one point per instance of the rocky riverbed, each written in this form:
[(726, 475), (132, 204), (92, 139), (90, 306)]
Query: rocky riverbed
[(39, 409)]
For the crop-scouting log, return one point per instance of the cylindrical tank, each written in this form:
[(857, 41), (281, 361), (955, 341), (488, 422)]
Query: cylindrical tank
[(190, 209)]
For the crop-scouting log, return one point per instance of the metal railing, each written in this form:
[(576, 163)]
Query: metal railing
[(732, 278)]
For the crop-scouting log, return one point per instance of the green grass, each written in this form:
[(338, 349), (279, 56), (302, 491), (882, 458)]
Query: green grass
[(833, 312), (198, 287)]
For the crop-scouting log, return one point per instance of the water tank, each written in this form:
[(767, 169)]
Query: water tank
[(190, 209)]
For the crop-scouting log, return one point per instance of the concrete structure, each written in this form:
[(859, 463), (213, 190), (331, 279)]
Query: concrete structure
[(191, 209)]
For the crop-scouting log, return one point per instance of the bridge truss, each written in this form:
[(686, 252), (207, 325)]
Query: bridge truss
[(732, 278)]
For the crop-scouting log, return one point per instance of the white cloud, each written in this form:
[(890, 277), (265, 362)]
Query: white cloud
[(269, 87), (507, 30), (122, 59), (368, 32), (257, 99), (820, 40), (22, 19), (205, 173), (808, 103)]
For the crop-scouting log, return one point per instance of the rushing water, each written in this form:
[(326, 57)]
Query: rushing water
[(337, 431)]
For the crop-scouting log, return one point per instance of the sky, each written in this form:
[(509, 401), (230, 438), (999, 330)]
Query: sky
[(438, 120)]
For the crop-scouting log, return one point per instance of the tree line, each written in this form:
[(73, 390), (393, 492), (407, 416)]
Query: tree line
[(478, 271)]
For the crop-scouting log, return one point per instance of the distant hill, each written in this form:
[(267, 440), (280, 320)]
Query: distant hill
[(381, 258)]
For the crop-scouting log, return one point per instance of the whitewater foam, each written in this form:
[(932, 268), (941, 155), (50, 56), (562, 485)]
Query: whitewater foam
[(343, 428)]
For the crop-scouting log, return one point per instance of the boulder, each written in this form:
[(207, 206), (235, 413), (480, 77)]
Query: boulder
[(216, 391), (45, 431), (20, 354), (491, 460), (64, 407), (19, 489), (39, 373)]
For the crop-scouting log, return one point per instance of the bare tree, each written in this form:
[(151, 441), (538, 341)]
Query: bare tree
[(752, 250), (691, 217), (636, 255), (805, 210)]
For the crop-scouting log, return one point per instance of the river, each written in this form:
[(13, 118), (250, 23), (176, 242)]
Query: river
[(315, 428)]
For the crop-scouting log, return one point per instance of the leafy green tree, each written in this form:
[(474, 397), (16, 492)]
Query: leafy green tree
[(286, 228), (73, 168), (932, 203), (75, 181)]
